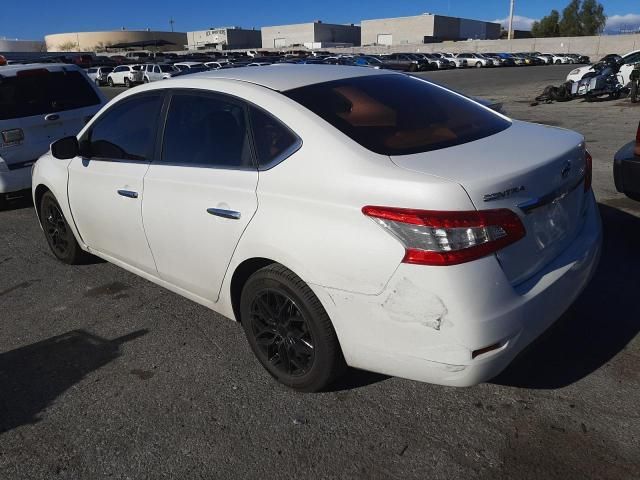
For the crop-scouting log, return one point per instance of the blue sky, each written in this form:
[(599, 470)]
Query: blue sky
[(32, 19)]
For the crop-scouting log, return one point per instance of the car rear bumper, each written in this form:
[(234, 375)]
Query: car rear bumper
[(15, 180), (429, 321), (626, 171)]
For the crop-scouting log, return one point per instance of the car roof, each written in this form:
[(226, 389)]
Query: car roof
[(11, 70), (286, 76)]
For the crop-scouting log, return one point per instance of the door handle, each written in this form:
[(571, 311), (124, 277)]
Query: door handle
[(219, 212), (128, 193), (52, 117)]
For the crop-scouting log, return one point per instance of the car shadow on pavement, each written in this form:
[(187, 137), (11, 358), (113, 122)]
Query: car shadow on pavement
[(16, 203), (355, 378), (600, 323), (32, 377)]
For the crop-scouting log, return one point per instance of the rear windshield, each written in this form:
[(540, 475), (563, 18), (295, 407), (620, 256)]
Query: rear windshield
[(398, 114), (44, 92)]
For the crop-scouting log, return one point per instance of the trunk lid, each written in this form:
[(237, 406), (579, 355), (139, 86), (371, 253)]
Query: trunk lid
[(534, 170)]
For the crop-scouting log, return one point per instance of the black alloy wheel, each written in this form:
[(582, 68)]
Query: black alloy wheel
[(289, 330), (282, 333), (59, 236)]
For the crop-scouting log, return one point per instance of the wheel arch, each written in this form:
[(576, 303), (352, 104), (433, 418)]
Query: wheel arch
[(240, 276), (38, 193)]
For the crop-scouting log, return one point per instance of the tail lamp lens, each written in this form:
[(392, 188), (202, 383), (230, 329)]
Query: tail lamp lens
[(14, 135), (448, 238)]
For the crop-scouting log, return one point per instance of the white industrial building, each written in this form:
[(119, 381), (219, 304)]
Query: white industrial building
[(426, 28), (18, 46), (311, 35), (224, 38)]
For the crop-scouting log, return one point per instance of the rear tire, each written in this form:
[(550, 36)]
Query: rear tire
[(479, 65), (59, 236), (289, 331), (634, 92)]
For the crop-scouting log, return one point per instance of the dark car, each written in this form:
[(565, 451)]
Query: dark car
[(626, 168), (105, 61), (369, 61), (405, 62)]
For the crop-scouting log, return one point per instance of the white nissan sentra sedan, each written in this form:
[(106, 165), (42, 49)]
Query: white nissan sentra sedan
[(344, 216)]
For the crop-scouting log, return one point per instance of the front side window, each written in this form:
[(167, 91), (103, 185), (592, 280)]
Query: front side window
[(206, 130), (633, 58), (398, 114), (127, 131)]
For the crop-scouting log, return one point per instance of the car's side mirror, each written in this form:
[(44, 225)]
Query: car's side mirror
[(65, 148)]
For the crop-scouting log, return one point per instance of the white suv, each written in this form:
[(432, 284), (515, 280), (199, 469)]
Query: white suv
[(158, 71), (39, 104), (127, 75)]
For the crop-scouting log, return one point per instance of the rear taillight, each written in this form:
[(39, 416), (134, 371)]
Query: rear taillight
[(448, 238), (636, 150), (588, 171), (14, 135)]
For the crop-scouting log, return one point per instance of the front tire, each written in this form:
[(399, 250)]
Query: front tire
[(479, 65), (59, 236), (110, 82), (127, 82), (289, 331)]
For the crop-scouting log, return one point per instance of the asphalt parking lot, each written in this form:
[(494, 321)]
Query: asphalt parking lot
[(105, 375)]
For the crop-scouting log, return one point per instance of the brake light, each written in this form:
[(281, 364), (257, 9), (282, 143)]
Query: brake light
[(588, 170), (448, 238), (636, 150)]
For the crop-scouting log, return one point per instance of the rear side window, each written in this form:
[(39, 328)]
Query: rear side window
[(273, 141), (398, 114), (206, 130), (43, 92), (127, 131)]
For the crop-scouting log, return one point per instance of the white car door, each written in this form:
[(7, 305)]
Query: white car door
[(106, 185), (201, 194)]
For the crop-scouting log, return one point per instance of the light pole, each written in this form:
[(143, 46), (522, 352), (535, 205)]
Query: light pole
[(510, 34)]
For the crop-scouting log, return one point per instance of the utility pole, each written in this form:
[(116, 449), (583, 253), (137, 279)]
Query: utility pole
[(171, 22), (510, 34)]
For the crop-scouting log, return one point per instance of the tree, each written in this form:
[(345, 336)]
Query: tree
[(548, 26), (570, 25), (592, 17), (579, 18), (67, 46)]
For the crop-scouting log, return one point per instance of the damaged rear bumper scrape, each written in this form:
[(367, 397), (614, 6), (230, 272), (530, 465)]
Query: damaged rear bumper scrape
[(426, 325)]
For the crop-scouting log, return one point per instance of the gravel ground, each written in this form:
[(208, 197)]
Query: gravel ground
[(105, 375)]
